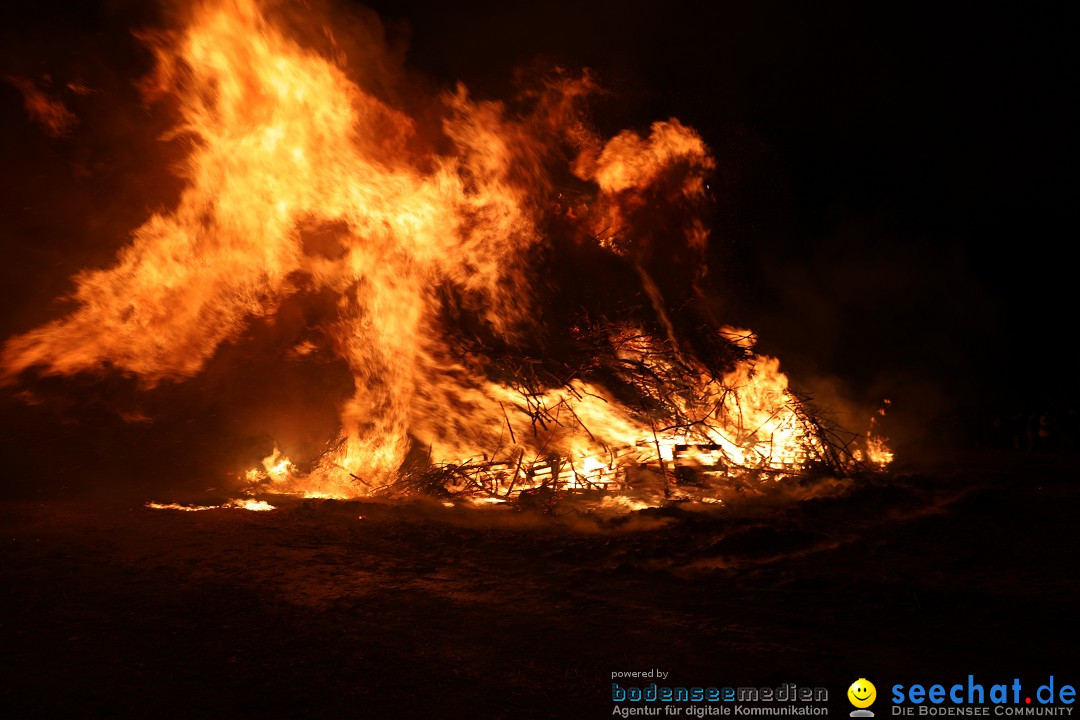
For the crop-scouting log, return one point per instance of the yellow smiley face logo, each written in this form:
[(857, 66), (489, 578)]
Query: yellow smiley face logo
[(862, 693)]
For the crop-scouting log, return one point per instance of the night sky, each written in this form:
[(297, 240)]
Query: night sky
[(897, 183), (895, 194)]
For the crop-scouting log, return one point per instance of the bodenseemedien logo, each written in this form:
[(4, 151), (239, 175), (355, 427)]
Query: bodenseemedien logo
[(862, 694)]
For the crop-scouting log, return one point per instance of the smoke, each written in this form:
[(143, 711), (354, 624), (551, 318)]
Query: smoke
[(862, 311), (48, 112)]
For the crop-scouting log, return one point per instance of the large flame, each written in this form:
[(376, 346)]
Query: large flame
[(283, 141)]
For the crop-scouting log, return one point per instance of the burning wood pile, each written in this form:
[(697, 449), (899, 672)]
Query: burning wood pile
[(486, 363), (668, 427)]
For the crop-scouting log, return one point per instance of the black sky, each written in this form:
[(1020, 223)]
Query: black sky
[(897, 184)]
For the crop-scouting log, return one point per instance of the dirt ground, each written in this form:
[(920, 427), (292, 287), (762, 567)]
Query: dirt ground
[(323, 608)]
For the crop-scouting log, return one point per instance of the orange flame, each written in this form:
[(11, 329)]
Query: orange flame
[(283, 140)]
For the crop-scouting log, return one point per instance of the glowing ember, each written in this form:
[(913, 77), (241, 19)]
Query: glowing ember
[(284, 141), (242, 504), (182, 508)]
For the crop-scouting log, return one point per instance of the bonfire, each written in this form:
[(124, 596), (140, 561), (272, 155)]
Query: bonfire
[(520, 300)]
